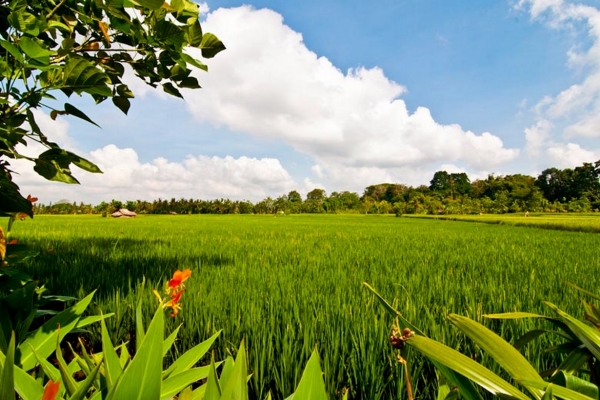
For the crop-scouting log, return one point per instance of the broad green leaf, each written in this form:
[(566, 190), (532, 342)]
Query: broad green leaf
[(514, 315), (589, 336), (177, 382), (557, 391), (548, 393), (466, 367), (42, 341), (35, 49), (528, 337), (142, 378), (236, 386), (192, 356), (186, 394), (192, 61), (80, 75), (112, 366), (311, 384), (465, 386), (85, 321), (13, 50), (168, 343), (172, 90), (501, 351), (140, 331), (193, 34), (122, 103), (124, 356), (210, 45), (213, 388), (575, 360), (577, 384), (7, 375), (74, 111), (25, 385)]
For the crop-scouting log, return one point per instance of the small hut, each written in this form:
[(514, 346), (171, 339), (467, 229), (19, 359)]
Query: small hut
[(123, 213)]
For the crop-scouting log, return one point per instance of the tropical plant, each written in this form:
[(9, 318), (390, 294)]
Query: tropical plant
[(582, 346), (84, 47)]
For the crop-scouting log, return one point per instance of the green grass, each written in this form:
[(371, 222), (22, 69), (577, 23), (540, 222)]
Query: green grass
[(290, 283), (575, 222)]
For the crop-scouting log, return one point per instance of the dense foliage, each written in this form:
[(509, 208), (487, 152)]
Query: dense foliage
[(50, 50), (554, 190)]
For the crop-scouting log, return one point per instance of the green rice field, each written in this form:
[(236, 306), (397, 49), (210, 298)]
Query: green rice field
[(286, 284), (564, 222)]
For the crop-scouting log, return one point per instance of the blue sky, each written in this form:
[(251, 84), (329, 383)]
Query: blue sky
[(344, 94)]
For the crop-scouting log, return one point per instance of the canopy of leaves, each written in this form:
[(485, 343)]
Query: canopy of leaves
[(84, 47)]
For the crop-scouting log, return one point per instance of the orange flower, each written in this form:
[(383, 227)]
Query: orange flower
[(175, 289), (179, 277), (51, 390), (32, 199)]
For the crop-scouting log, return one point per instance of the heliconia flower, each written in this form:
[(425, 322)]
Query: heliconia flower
[(179, 277), (51, 390), (32, 199), (175, 289)]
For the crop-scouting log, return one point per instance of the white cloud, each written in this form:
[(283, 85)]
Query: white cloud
[(574, 111), (571, 155), (268, 84), (201, 177)]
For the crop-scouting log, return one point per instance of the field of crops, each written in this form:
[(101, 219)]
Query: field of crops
[(289, 283), (559, 221)]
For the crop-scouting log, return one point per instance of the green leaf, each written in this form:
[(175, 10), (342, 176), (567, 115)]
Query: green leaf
[(11, 199), (393, 312), (172, 90), (142, 378), (168, 343), (42, 341), (213, 388), (311, 384), (575, 360), (85, 321), (193, 34), (590, 337), (25, 385), (122, 103), (192, 356), (80, 75), (7, 375), (501, 351), (514, 315), (65, 374), (35, 49), (177, 382), (579, 385), (528, 337), (140, 331), (236, 386), (151, 4), (557, 391), (72, 110), (112, 366), (210, 45), (13, 50), (189, 83), (466, 367), (85, 386)]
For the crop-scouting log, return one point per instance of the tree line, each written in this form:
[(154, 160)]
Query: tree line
[(554, 190)]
